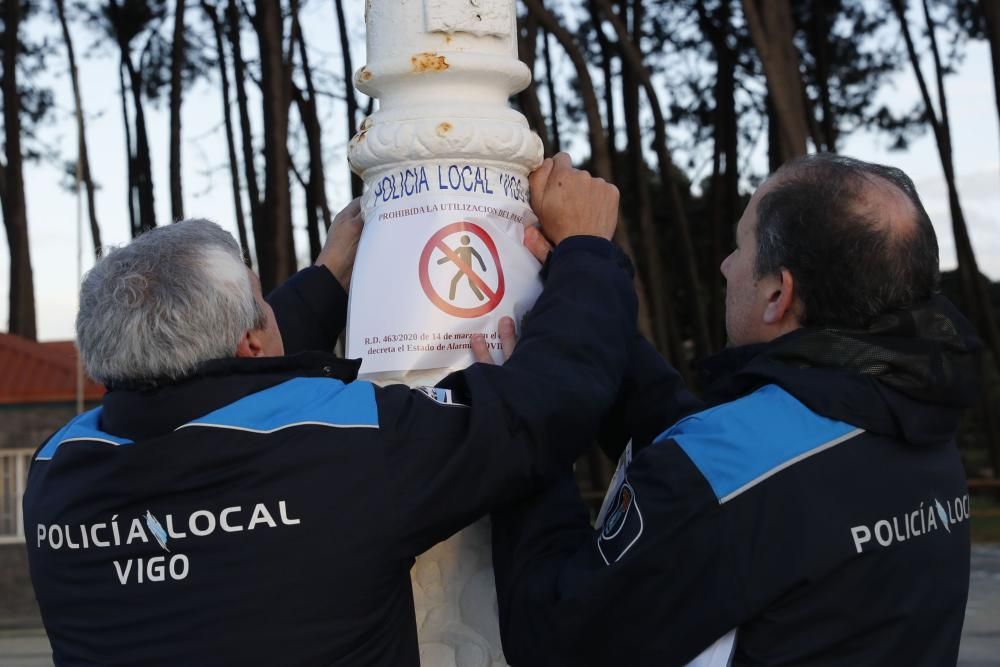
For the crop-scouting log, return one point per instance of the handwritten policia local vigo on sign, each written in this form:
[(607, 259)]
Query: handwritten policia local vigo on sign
[(441, 258)]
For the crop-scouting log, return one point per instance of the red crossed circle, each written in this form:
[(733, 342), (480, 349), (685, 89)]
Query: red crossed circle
[(436, 242)]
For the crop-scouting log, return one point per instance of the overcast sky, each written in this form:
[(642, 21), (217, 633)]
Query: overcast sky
[(52, 211)]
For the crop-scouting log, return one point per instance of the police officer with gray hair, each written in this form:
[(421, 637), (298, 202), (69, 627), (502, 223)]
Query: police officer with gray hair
[(241, 498)]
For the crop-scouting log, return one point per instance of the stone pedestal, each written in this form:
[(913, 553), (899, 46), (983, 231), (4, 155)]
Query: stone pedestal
[(442, 71)]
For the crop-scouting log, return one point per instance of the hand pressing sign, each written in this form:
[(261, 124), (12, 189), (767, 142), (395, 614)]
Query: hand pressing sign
[(571, 202)]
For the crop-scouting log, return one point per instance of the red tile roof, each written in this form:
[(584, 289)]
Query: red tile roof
[(33, 372)]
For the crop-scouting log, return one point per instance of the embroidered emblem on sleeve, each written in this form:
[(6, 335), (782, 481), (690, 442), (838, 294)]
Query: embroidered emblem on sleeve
[(622, 527)]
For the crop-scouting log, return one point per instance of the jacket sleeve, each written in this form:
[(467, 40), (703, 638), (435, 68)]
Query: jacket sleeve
[(311, 309), (660, 584), (450, 464), (653, 396)]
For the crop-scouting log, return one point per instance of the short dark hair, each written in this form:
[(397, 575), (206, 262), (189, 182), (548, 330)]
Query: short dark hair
[(849, 266)]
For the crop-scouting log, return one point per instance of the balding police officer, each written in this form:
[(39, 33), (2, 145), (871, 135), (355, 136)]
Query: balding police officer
[(814, 510)]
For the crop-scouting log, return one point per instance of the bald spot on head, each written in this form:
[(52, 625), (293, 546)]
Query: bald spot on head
[(886, 206), (854, 235)]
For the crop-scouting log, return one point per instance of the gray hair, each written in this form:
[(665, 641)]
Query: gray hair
[(173, 298)]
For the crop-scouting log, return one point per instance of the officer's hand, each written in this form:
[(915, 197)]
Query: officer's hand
[(537, 244), (571, 202), (342, 243), (508, 339)]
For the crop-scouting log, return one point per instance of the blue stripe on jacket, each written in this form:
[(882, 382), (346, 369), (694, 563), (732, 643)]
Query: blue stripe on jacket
[(739, 444), (82, 428), (298, 402)]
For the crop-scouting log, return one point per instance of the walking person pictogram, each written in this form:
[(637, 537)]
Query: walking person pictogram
[(465, 252), (454, 243)]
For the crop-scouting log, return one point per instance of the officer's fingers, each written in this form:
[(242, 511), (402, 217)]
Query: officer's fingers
[(610, 208), (350, 212), (480, 351), (508, 337), (563, 173), (537, 244), (536, 183), (562, 162)]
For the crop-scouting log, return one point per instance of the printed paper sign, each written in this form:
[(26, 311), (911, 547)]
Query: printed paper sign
[(441, 258)]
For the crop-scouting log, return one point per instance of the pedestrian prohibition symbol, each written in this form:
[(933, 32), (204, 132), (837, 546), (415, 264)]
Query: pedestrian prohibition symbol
[(461, 262)]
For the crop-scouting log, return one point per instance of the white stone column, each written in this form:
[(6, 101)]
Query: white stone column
[(444, 140)]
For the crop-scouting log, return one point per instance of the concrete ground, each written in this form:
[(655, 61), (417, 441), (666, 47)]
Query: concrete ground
[(24, 648), (981, 633), (980, 636)]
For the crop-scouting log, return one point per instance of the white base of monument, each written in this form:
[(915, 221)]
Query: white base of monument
[(456, 602), (453, 591)]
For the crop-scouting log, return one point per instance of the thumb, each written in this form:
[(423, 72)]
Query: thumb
[(537, 244), (536, 184)]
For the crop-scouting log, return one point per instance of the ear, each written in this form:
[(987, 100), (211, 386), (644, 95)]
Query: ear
[(780, 300), (250, 345)]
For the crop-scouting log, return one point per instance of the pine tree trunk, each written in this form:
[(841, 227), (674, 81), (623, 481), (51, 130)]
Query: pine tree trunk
[(974, 286), (143, 162), (725, 179), (527, 43), (312, 219), (975, 289), (665, 338), (991, 13), (246, 136), (599, 152), (820, 28), (352, 101), (234, 172), (632, 58), (773, 31), (82, 155), (15, 215), (176, 66), (550, 87), (130, 165), (275, 90), (609, 97), (309, 113)]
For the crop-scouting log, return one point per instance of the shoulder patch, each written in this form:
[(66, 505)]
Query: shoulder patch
[(83, 428), (439, 395), (298, 402), (738, 445), (622, 526)]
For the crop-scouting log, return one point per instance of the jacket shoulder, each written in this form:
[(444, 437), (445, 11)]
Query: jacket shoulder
[(82, 428), (739, 444), (298, 402)]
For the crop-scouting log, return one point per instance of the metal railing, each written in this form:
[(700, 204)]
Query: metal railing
[(13, 478)]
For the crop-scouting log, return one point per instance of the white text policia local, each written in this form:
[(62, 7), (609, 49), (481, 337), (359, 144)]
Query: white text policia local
[(145, 529), (926, 518)]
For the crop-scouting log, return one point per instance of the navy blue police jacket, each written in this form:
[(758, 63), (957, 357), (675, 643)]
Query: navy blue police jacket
[(815, 504), (268, 511)]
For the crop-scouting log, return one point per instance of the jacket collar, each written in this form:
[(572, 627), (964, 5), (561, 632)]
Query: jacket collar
[(908, 375), (153, 408)]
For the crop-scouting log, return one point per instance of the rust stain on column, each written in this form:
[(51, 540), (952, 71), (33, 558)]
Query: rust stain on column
[(428, 62)]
